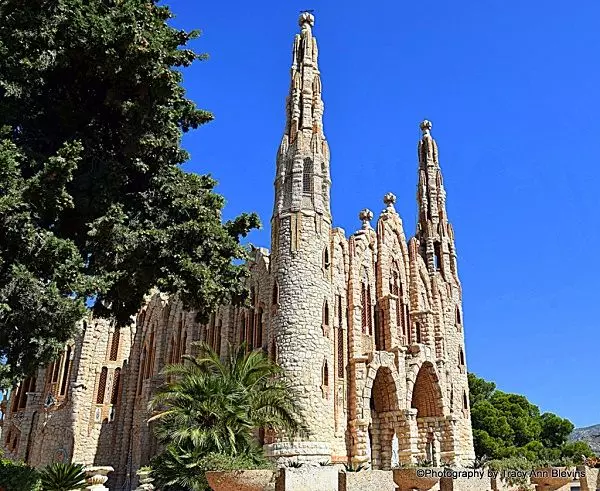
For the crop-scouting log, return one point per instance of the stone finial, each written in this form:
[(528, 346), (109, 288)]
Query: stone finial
[(365, 216), (426, 126), (390, 200), (306, 20)]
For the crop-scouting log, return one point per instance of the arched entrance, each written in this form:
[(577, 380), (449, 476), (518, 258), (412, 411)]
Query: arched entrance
[(384, 409), (431, 424)]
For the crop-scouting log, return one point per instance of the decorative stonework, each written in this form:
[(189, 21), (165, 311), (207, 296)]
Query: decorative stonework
[(365, 216)]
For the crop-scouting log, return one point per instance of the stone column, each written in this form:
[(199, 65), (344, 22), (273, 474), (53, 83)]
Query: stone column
[(408, 436)]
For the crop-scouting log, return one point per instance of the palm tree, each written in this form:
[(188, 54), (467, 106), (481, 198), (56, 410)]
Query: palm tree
[(217, 405), (62, 477)]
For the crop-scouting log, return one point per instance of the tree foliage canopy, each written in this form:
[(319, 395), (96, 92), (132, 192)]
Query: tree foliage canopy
[(508, 425), (93, 201)]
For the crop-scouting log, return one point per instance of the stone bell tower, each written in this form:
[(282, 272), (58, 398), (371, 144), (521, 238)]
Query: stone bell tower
[(300, 258)]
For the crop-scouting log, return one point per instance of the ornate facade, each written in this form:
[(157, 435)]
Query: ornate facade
[(368, 328)]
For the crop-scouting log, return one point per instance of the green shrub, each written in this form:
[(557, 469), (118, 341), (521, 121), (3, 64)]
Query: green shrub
[(62, 477), (18, 476)]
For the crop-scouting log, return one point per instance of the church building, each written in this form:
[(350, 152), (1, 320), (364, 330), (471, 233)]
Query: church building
[(369, 328)]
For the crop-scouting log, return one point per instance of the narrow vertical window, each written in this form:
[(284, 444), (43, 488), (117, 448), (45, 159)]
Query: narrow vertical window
[(250, 336), (458, 316), (325, 374), (437, 256), (217, 337), (102, 386), (184, 343), (259, 328), (114, 347), (326, 261), (418, 332), (363, 304), (275, 295), (369, 312), (66, 369), (465, 401), (242, 327), (56, 370), (114, 398), (340, 353), (338, 301), (307, 177), (326, 313)]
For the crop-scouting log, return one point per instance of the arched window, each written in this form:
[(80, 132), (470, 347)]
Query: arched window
[(101, 386), (307, 177)]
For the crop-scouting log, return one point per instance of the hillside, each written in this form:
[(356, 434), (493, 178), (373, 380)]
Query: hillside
[(590, 434)]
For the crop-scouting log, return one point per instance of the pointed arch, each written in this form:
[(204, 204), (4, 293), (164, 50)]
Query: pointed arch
[(426, 393)]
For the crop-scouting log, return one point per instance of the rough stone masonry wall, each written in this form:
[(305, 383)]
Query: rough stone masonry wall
[(303, 349), (74, 427)]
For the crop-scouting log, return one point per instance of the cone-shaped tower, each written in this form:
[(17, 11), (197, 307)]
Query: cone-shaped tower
[(434, 232), (435, 237), (301, 231)]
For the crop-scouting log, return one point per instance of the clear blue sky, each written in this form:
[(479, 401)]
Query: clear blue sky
[(512, 90)]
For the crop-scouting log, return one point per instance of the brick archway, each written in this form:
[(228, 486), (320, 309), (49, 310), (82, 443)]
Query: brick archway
[(383, 405), (426, 395), (427, 400)]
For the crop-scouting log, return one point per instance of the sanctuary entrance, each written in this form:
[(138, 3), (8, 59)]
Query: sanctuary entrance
[(431, 423), (384, 410)]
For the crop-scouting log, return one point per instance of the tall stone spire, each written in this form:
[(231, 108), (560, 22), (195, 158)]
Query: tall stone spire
[(302, 180), (301, 252), (434, 232)]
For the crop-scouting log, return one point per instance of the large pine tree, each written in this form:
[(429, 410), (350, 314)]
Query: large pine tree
[(93, 200)]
